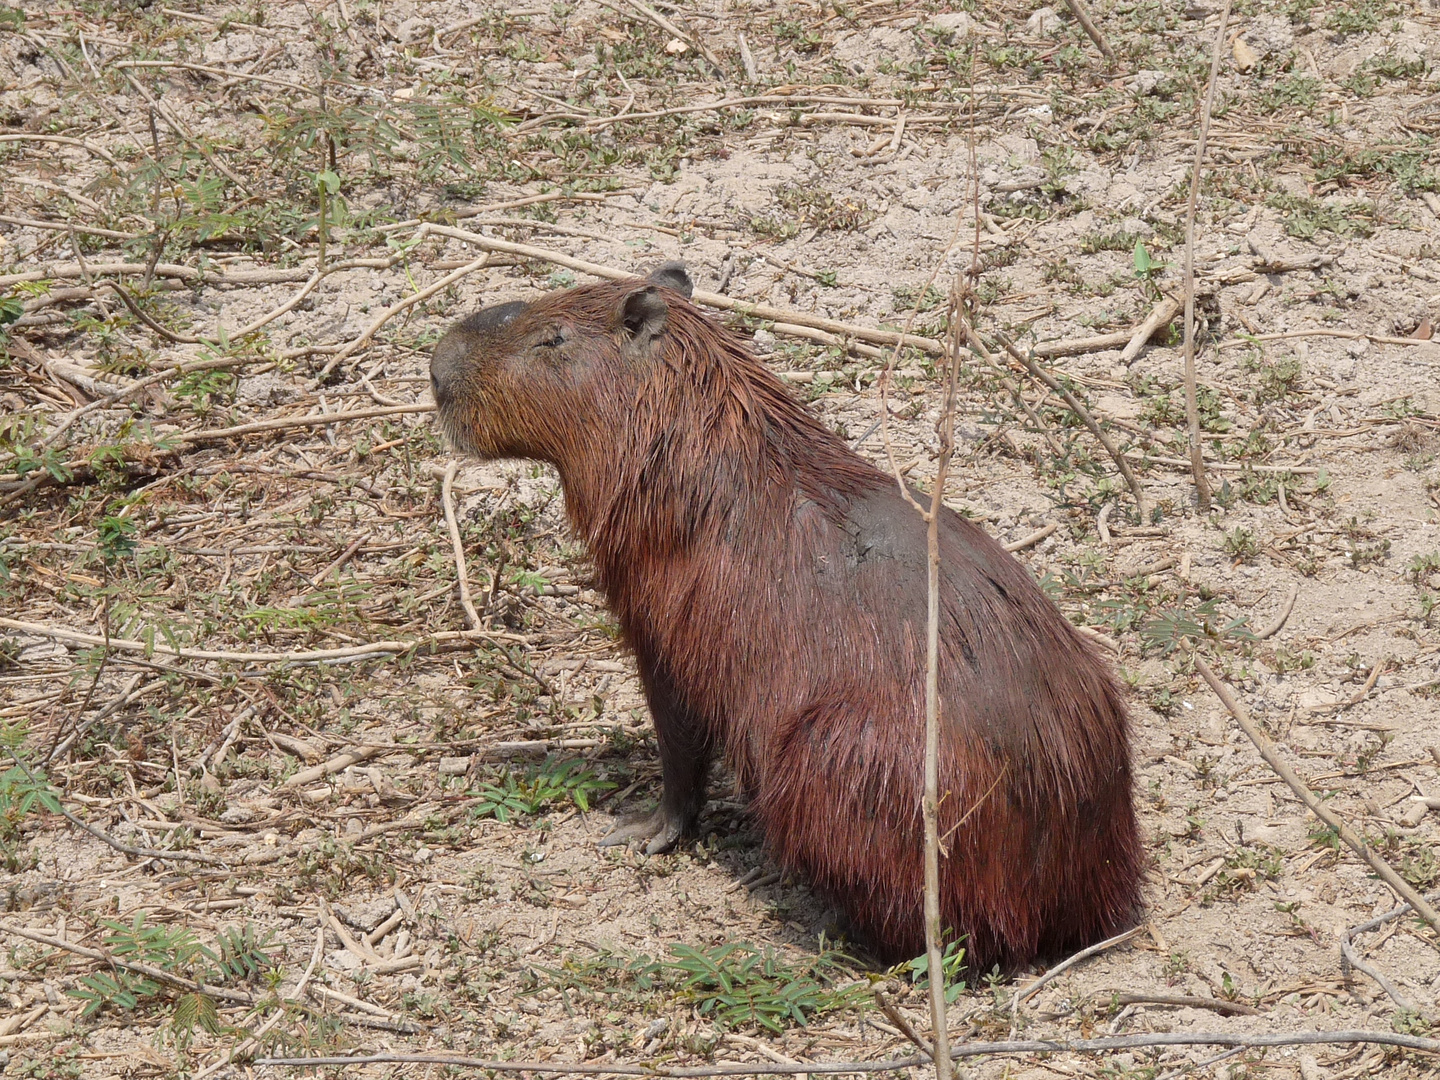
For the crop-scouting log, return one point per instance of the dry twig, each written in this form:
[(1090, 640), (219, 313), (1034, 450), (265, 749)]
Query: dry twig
[(963, 1050), (1192, 403), (1041, 375), (1321, 810), (457, 548)]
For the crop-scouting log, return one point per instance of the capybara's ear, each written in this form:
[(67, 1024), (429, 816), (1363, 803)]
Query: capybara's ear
[(643, 315), (672, 275)]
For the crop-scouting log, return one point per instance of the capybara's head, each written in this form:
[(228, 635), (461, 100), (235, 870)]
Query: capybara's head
[(530, 380)]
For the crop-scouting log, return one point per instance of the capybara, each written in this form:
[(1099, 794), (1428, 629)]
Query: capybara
[(772, 586)]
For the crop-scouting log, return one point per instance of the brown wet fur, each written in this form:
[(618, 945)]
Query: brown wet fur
[(772, 586)]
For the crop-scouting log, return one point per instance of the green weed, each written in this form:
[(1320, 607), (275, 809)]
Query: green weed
[(1174, 627), (537, 789)]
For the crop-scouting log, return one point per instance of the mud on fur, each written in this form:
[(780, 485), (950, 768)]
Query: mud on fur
[(772, 586)]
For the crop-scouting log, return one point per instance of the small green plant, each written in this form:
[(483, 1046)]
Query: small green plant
[(1363, 554), (1422, 566), (117, 537), (735, 985), (1240, 543), (1121, 240), (23, 791), (534, 791), (738, 985), (1173, 627), (1295, 92), (176, 950), (11, 307), (952, 962), (1279, 380), (1362, 17), (1175, 966), (1147, 269)]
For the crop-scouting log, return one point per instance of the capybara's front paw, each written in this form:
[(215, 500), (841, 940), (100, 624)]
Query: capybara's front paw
[(657, 832)]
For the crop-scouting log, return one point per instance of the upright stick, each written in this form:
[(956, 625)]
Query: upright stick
[(1192, 404), (931, 804)]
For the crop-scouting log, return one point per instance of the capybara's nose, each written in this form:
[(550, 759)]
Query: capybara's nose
[(447, 368)]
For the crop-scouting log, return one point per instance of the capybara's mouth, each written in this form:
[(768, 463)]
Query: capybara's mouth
[(458, 436)]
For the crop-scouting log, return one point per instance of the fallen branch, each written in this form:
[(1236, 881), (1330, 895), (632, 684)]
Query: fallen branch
[(1033, 539), (1274, 627), (338, 763), (269, 276), (1120, 339), (1235, 466), (1041, 375), (394, 309), (1084, 954), (1351, 959), (63, 140), (1186, 1001), (316, 656), (191, 438), (1402, 888), (1348, 335), (709, 299), (456, 547), (964, 1050), (1359, 695), (1160, 317)]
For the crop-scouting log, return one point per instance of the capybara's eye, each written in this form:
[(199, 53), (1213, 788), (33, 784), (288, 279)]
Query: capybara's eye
[(554, 341)]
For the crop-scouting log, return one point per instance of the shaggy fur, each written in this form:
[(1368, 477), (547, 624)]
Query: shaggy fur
[(772, 586)]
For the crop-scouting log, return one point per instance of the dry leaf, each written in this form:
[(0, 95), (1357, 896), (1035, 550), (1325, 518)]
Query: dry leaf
[(676, 47), (1245, 56), (1423, 332)]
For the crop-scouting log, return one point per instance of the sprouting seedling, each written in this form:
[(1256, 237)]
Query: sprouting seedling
[(1147, 268)]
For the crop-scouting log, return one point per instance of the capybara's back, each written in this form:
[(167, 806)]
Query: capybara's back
[(772, 586)]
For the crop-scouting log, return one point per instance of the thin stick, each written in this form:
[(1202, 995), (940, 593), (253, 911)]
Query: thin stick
[(1082, 16), (898, 1019), (1192, 404), (458, 548), (135, 387), (930, 805), (1351, 958), (964, 1050), (317, 656), (709, 299), (126, 693), (1160, 316), (66, 141), (1185, 1001), (394, 309), (1280, 619), (1033, 539), (1402, 888), (281, 423), (106, 838), (1065, 965), (1039, 373), (1126, 339)]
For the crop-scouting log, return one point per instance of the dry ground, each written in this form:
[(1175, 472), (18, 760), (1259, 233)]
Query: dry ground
[(436, 885)]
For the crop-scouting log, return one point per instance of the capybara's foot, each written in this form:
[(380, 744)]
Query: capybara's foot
[(656, 832)]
